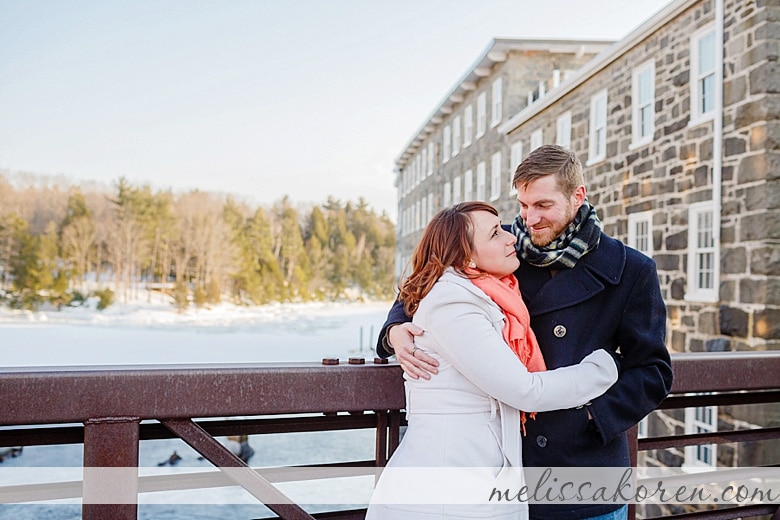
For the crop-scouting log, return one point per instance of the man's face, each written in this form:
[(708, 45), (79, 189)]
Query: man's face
[(546, 211)]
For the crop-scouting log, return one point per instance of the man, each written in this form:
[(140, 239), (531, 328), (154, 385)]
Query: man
[(584, 290)]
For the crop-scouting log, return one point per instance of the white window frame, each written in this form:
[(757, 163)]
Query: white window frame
[(641, 428), (446, 199), (481, 114), (417, 215), (424, 160), (641, 135), (496, 102), (480, 193), (699, 77), (597, 145), (468, 125), (456, 126), (468, 185), (563, 130), (446, 144), (537, 139), (431, 159), (495, 176), (703, 253), (457, 190), (640, 232), (430, 206), (701, 419), (515, 157), (423, 212)]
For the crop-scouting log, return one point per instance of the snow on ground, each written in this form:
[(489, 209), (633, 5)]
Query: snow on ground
[(153, 331)]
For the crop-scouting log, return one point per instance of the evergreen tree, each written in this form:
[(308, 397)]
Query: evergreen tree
[(24, 266), (293, 259), (316, 243)]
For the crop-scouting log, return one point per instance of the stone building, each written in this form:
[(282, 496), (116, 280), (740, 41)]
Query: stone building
[(678, 129)]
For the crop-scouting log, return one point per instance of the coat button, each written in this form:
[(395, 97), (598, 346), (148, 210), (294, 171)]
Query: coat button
[(559, 331), (541, 441)]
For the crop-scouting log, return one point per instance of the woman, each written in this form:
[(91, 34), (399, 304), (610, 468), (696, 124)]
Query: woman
[(469, 415)]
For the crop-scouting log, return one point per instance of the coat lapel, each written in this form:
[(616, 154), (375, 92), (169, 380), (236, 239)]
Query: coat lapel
[(573, 286)]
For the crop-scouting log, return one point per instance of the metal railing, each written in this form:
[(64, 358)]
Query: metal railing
[(111, 409)]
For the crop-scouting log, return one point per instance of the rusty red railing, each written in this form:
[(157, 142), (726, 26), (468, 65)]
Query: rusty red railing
[(110, 410)]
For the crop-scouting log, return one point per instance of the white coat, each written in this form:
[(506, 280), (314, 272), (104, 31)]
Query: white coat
[(467, 416)]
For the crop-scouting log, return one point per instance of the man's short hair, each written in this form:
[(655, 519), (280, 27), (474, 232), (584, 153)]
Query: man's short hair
[(551, 159)]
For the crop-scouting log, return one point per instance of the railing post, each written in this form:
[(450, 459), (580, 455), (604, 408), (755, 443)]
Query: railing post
[(111, 468), (381, 437)]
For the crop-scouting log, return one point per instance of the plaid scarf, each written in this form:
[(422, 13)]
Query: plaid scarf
[(582, 235)]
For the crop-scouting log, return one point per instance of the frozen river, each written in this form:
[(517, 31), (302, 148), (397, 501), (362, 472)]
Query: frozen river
[(152, 333)]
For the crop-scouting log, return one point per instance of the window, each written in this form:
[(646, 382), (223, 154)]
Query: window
[(598, 128), (468, 185), (424, 155), (418, 169), (537, 139), (456, 136), (446, 144), (701, 419), (703, 258), (643, 104), (496, 98), (563, 130), (641, 428), (481, 114), (447, 195), (423, 212), (640, 232), (429, 170), (417, 212), (495, 176), (468, 125), (430, 206), (480, 195), (703, 75), (515, 156), (456, 190)]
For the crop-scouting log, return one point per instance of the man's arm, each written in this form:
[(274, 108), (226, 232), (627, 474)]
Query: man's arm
[(395, 316), (646, 370), (399, 340)]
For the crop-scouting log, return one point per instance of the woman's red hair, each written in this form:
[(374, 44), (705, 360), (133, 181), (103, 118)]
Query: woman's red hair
[(447, 241)]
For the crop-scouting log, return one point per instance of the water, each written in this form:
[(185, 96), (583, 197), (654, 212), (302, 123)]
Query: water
[(144, 335)]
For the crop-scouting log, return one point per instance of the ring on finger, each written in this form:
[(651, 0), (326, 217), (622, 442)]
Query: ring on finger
[(415, 349)]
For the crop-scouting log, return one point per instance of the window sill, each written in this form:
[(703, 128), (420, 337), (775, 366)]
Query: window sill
[(701, 119)]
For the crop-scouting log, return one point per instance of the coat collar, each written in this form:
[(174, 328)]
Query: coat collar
[(600, 267)]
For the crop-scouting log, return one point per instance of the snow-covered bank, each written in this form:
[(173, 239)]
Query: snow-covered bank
[(154, 332)]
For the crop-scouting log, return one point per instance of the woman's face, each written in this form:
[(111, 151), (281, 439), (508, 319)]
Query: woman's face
[(494, 248)]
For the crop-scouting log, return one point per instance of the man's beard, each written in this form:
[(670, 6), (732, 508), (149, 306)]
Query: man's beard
[(549, 234), (552, 232)]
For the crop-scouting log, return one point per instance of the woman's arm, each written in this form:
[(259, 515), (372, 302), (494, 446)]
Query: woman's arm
[(463, 334)]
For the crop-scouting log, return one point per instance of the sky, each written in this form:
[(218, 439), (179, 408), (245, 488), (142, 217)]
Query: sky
[(254, 98)]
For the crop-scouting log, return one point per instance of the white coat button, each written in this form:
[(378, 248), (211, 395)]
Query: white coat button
[(559, 331)]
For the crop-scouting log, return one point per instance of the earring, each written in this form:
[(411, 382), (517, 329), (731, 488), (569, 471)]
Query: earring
[(472, 264)]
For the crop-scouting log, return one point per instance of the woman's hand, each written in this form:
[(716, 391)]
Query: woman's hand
[(415, 362)]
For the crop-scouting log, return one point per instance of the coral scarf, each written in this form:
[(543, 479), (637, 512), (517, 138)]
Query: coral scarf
[(517, 325)]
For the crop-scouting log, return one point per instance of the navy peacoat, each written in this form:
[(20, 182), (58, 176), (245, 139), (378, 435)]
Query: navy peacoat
[(611, 299)]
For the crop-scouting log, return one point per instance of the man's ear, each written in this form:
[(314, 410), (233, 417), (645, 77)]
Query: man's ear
[(579, 196)]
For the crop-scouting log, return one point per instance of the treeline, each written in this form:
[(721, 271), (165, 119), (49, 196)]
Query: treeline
[(62, 244)]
